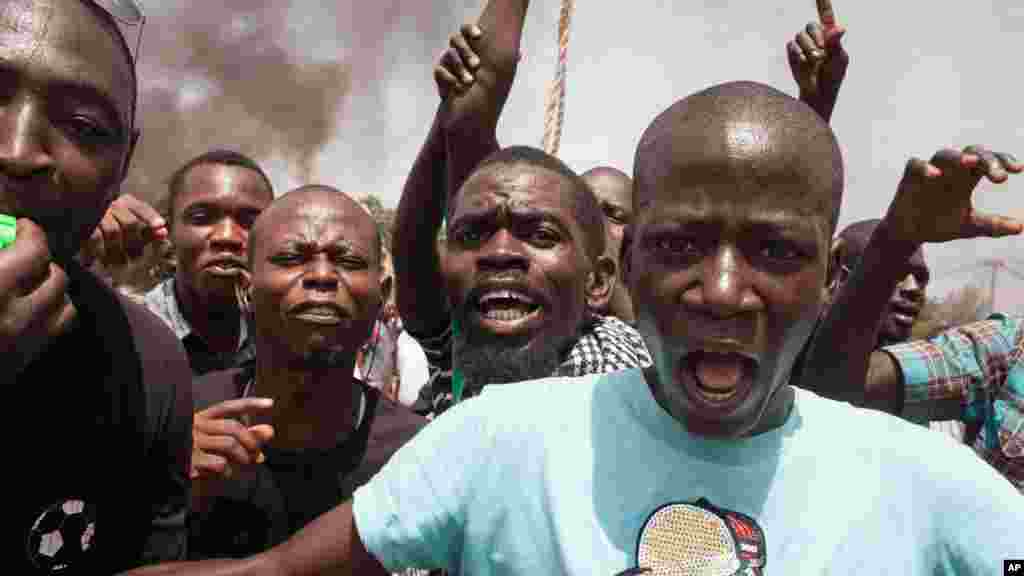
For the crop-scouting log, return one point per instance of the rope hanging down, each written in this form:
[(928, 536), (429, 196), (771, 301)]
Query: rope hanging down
[(554, 112)]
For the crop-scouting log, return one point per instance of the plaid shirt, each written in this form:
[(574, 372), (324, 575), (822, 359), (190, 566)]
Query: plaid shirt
[(981, 366), (607, 344)]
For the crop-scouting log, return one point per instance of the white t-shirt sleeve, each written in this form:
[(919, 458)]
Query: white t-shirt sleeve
[(979, 515), (413, 369), (412, 513)]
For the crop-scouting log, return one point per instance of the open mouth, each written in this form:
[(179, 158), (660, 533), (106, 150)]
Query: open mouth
[(719, 380), (506, 309), (322, 315)]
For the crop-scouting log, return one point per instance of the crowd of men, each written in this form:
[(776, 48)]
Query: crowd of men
[(686, 371)]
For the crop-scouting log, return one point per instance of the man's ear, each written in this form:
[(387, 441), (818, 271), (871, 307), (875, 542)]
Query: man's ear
[(601, 284), (624, 251), (837, 275)]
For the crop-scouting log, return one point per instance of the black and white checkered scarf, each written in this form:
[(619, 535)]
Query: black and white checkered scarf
[(606, 345)]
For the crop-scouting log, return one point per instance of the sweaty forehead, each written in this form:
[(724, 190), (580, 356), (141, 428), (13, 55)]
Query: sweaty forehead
[(516, 186), (738, 154), (63, 41), (324, 217)]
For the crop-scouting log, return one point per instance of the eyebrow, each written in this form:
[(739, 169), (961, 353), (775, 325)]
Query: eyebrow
[(518, 213), (780, 220), (86, 92), (297, 241)]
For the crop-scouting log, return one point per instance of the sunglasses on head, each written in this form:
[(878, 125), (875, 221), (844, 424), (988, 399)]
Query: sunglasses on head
[(129, 17)]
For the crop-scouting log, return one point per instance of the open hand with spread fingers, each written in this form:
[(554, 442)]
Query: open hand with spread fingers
[(934, 200)]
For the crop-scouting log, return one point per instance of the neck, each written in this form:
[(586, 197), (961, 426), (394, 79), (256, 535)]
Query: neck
[(216, 322), (313, 408)]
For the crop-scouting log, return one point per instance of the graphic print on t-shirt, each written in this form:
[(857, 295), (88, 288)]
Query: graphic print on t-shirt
[(61, 536), (699, 539)]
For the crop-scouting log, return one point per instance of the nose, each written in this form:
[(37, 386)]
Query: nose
[(723, 289), (228, 236), (320, 275), (502, 251), (24, 146), (911, 289)]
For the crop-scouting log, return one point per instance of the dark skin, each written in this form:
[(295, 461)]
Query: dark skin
[(474, 77), (210, 222), (513, 229), (818, 61), (316, 292), (66, 137), (314, 247), (933, 203), (462, 134), (729, 261), (614, 190), (907, 298)]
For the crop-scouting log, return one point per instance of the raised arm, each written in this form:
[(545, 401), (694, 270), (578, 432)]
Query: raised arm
[(819, 61), (932, 204), (474, 77)]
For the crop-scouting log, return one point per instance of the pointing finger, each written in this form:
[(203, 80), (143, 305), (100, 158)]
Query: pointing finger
[(237, 407), (826, 14)]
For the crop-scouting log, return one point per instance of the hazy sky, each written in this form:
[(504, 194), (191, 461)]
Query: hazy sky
[(923, 75)]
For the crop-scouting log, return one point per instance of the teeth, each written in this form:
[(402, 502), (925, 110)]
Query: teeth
[(506, 315), (505, 295), (716, 396)]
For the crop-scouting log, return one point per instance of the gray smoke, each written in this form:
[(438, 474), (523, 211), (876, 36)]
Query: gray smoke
[(219, 74)]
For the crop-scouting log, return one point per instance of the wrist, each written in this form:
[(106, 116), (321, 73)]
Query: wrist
[(893, 239)]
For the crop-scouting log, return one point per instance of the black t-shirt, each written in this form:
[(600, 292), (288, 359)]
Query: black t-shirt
[(102, 461), (272, 501)]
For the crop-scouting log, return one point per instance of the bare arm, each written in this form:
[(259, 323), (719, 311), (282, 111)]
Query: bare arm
[(472, 117), (841, 353), (932, 204), (328, 545), (463, 134), (419, 290)]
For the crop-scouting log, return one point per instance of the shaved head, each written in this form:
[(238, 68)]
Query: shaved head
[(607, 172), (750, 130), (856, 235), (310, 198)]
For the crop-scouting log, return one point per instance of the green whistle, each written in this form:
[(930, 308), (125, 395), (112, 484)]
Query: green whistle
[(8, 228)]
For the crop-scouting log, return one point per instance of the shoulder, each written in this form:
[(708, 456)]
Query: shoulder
[(913, 452), (166, 374), (158, 347)]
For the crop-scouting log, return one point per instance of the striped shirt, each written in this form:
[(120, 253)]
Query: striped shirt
[(980, 367)]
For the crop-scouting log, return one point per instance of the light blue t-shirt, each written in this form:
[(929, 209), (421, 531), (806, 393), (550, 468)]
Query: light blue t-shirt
[(559, 476)]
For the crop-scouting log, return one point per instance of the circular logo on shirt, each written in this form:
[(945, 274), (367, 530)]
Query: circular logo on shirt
[(61, 536), (699, 539)]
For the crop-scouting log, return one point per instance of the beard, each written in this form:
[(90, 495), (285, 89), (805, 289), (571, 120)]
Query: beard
[(318, 360), (488, 362)]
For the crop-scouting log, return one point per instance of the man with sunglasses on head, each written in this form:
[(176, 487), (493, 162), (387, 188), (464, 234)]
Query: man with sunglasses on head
[(103, 483)]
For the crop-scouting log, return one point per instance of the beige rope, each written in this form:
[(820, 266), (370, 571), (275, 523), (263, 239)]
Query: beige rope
[(554, 113)]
